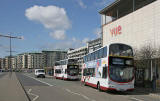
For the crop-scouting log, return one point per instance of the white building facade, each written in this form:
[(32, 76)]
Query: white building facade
[(51, 56), (34, 60), (78, 54), (93, 45), (137, 28)]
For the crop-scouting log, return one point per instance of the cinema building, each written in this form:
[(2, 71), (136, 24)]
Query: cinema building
[(134, 22)]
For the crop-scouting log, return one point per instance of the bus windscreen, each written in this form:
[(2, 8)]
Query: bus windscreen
[(120, 50)]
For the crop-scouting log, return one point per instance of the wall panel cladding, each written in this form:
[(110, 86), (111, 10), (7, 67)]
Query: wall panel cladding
[(137, 29)]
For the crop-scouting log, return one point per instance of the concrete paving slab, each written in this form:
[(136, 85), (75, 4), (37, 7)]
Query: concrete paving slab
[(11, 89)]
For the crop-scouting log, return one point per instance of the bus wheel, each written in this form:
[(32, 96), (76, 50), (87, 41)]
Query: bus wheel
[(98, 86)]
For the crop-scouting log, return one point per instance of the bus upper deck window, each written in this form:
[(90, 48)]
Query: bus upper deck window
[(104, 51), (101, 53)]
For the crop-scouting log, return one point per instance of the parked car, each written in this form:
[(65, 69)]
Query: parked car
[(40, 73)]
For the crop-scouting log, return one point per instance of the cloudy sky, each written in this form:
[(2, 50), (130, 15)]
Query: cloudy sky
[(49, 24)]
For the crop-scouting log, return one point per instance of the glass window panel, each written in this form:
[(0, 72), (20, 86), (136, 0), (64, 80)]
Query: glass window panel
[(104, 51)]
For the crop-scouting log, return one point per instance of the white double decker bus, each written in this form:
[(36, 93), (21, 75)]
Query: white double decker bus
[(66, 69), (109, 68)]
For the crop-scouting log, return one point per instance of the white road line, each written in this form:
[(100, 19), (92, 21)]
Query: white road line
[(155, 95), (39, 80), (133, 98), (36, 96), (85, 97)]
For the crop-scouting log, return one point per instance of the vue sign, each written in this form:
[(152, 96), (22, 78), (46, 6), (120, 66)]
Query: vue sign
[(116, 31)]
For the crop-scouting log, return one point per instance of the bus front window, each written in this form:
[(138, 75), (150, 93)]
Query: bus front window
[(121, 73), (121, 69), (73, 70), (120, 50)]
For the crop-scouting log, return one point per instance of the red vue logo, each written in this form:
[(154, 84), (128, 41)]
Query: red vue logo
[(116, 31)]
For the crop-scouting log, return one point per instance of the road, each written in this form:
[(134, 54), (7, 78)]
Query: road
[(2, 74), (50, 89)]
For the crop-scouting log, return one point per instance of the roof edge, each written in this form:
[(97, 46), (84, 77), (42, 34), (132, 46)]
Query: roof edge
[(109, 6)]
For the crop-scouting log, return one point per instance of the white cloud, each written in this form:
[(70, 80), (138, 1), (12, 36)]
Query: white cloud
[(80, 2), (74, 39), (52, 17), (97, 31), (66, 44), (22, 37), (58, 34), (85, 40)]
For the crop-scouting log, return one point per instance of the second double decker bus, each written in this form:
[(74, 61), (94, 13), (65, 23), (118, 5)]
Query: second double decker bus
[(110, 68), (66, 69)]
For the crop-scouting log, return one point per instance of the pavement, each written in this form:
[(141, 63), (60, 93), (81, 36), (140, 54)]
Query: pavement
[(149, 91), (11, 89), (49, 76)]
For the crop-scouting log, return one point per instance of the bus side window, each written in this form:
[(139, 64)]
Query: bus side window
[(92, 56), (101, 53), (84, 59), (84, 72), (65, 71), (104, 72), (87, 58), (104, 51), (98, 54), (92, 72)]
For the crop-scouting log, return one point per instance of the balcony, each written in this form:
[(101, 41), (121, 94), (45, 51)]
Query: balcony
[(121, 8)]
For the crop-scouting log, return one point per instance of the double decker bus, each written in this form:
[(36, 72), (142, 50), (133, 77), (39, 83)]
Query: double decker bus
[(109, 68), (66, 69)]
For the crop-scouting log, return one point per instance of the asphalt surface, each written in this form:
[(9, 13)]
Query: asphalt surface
[(50, 89), (2, 74), (26, 81)]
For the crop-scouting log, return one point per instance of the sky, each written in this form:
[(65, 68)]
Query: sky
[(49, 24)]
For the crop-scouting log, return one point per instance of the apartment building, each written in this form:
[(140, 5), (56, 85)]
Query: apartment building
[(14, 62), (51, 56), (19, 59), (3, 63), (34, 60), (93, 45), (7, 63), (78, 54), (0, 63)]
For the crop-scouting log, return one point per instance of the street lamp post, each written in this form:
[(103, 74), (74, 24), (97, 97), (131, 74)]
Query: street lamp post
[(10, 49)]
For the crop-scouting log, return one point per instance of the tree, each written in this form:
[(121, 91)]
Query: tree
[(147, 52)]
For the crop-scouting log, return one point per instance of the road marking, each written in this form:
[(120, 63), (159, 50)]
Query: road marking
[(39, 80), (155, 95), (133, 98), (36, 96), (85, 97)]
